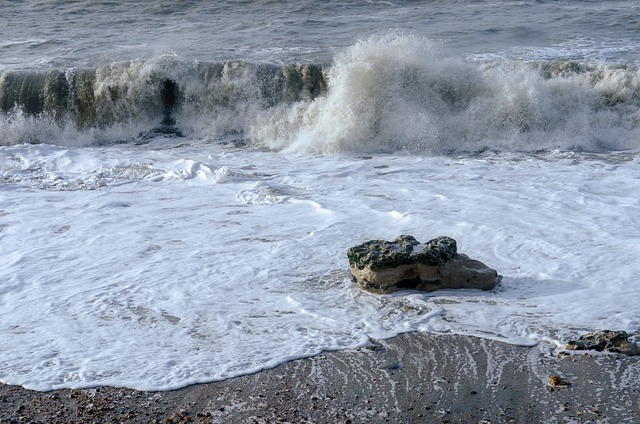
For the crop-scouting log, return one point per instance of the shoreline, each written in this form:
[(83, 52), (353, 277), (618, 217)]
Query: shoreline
[(414, 377)]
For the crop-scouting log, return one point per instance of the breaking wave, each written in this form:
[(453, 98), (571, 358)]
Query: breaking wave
[(399, 93), (130, 100), (383, 94)]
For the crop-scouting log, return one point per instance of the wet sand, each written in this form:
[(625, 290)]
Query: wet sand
[(415, 377)]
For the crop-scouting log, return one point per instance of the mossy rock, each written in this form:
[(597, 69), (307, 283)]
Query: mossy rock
[(404, 250)]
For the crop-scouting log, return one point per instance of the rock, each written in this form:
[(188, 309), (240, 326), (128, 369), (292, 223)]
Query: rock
[(556, 381), (605, 341), (380, 266)]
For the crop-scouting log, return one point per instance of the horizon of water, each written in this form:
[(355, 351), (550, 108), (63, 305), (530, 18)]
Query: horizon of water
[(179, 187)]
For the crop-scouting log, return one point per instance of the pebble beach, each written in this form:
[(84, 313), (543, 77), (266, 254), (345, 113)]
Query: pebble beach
[(412, 378)]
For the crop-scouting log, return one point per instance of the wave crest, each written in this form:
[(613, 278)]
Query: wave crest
[(400, 93), (387, 93)]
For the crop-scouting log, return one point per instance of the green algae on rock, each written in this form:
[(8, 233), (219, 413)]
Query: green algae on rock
[(382, 266), (403, 250)]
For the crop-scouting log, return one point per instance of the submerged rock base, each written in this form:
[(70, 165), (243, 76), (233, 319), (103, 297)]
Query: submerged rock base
[(381, 266)]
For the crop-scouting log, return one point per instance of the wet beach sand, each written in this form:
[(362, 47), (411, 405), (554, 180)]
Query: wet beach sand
[(414, 377)]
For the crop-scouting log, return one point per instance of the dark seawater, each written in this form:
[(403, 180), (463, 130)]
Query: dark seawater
[(79, 33)]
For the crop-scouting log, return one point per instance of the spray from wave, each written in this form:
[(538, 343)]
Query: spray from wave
[(387, 93), (400, 93)]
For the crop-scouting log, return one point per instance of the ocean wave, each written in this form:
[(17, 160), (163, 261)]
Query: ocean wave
[(387, 93), (399, 93), (139, 96)]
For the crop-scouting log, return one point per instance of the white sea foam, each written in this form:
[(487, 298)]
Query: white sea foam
[(195, 264)]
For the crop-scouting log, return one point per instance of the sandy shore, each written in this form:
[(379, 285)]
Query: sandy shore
[(412, 378)]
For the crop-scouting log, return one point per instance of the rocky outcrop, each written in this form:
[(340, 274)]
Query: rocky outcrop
[(605, 341), (382, 266)]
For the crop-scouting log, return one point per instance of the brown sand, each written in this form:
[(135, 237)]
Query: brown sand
[(412, 378)]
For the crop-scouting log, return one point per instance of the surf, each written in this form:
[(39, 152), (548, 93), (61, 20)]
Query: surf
[(384, 94)]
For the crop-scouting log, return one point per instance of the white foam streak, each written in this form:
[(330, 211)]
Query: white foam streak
[(189, 169)]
